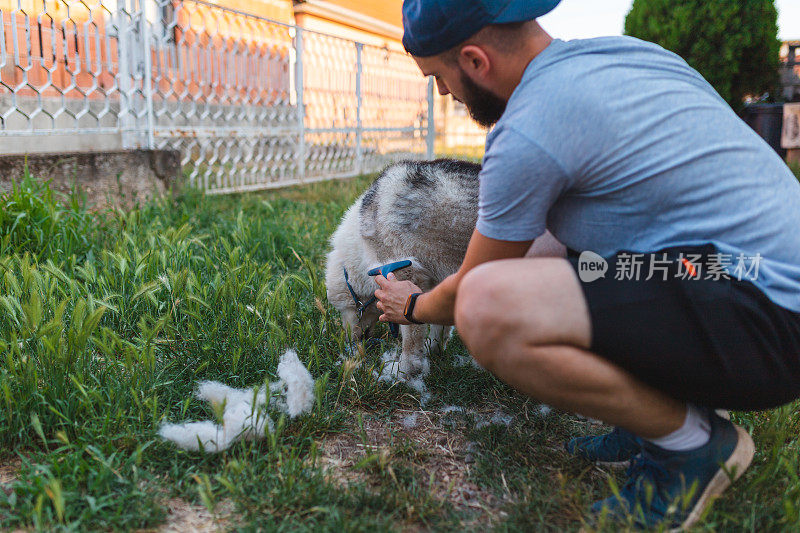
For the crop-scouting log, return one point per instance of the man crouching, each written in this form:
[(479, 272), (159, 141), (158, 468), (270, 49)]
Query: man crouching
[(684, 221)]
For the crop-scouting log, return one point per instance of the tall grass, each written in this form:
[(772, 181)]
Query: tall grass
[(107, 322), (34, 220), (105, 328)]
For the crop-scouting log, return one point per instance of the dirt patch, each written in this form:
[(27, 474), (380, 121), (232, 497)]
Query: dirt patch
[(9, 471), (441, 453), (182, 516), (185, 517)]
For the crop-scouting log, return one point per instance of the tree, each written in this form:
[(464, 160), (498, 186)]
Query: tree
[(733, 44)]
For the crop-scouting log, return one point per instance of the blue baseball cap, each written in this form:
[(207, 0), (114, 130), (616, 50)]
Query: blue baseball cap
[(433, 26)]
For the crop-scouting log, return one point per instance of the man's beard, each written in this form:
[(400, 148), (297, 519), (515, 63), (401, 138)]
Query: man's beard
[(484, 107)]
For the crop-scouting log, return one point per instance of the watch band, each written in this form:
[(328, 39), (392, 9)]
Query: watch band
[(408, 312)]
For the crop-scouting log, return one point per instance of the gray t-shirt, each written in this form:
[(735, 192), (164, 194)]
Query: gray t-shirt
[(617, 144)]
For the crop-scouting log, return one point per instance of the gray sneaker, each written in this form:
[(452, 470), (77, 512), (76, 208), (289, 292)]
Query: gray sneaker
[(672, 489), (612, 449)]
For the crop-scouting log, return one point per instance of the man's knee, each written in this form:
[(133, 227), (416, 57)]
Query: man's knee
[(482, 319), (504, 305)]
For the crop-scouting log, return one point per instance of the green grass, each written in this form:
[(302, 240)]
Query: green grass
[(108, 320)]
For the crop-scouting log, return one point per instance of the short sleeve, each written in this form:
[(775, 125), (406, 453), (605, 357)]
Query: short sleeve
[(519, 183)]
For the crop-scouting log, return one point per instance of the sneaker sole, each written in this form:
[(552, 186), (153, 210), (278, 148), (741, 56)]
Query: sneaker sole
[(737, 463)]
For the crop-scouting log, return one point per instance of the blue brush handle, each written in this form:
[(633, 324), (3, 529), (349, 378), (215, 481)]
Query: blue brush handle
[(390, 267), (384, 271)]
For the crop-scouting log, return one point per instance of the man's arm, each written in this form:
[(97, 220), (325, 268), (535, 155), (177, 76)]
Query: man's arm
[(436, 306)]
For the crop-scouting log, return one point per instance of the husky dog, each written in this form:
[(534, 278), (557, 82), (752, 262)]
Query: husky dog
[(424, 211)]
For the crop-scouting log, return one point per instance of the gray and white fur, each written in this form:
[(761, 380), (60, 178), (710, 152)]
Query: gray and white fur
[(424, 211)]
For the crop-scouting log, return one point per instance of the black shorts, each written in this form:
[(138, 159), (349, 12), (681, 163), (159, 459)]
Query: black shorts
[(718, 343)]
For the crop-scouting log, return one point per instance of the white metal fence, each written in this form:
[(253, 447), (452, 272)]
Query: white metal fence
[(250, 103)]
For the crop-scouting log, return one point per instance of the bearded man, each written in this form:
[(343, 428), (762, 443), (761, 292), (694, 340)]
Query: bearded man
[(680, 293)]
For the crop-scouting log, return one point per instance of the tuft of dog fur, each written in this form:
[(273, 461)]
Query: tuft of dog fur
[(294, 392), (245, 410), (424, 211)]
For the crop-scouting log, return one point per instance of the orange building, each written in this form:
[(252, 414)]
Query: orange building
[(69, 49), (380, 23), (64, 46), (377, 23)]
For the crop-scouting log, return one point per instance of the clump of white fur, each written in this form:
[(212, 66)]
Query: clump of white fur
[(392, 372), (294, 392), (245, 410), (498, 418)]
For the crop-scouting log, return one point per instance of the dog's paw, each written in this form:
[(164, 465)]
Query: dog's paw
[(414, 365)]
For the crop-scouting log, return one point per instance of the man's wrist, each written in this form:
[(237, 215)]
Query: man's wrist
[(408, 310)]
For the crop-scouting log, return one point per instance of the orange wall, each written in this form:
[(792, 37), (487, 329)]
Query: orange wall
[(387, 15), (64, 49), (60, 56), (280, 10), (389, 11), (72, 57)]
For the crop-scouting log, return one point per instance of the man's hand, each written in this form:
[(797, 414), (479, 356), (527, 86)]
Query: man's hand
[(392, 297)]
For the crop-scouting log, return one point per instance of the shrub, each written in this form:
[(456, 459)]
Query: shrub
[(733, 44)]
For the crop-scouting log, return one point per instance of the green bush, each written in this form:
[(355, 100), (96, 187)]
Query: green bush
[(34, 220), (733, 44)]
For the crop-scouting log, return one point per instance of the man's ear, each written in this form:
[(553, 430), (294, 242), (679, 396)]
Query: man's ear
[(475, 61)]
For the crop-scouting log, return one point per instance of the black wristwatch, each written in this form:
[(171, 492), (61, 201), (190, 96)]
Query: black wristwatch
[(408, 312)]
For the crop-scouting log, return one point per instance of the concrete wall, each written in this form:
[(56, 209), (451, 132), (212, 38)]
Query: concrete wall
[(119, 178)]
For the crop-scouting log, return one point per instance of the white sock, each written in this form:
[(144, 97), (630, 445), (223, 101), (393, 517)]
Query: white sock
[(694, 433)]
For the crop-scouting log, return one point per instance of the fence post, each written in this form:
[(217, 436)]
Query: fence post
[(359, 101), (431, 135), (126, 119), (147, 78), (301, 111), (123, 73)]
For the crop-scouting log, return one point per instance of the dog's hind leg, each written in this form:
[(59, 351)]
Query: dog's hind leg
[(414, 357)]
